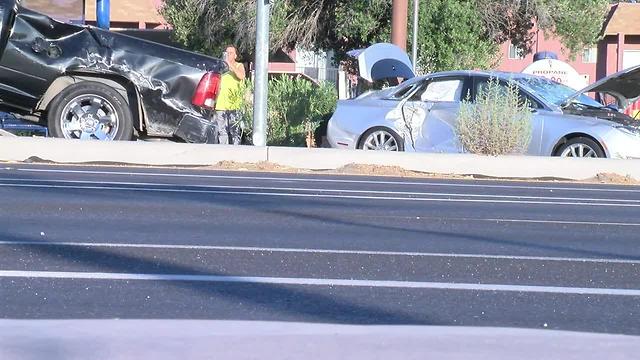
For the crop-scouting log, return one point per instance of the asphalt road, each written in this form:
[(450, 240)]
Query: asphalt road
[(133, 243)]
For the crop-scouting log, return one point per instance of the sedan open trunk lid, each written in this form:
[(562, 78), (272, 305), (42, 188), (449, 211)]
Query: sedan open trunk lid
[(384, 61)]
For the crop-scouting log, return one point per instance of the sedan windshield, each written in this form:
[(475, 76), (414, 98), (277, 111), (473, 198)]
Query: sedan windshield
[(556, 93)]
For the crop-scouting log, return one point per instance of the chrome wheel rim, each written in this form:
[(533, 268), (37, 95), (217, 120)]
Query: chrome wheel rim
[(579, 150), (380, 140), (89, 117)]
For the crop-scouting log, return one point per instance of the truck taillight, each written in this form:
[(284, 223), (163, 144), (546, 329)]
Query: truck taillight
[(207, 91)]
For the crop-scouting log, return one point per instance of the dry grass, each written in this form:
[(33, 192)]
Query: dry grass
[(349, 169), (498, 123), (259, 166), (610, 178)]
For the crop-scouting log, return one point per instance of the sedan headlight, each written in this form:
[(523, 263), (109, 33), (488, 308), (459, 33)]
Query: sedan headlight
[(631, 130)]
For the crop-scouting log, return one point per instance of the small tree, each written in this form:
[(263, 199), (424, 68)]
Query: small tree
[(451, 37), (498, 123)]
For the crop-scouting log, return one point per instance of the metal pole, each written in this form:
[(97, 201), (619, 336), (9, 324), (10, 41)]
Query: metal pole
[(414, 39), (261, 80), (399, 23), (103, 14), (83, 18)]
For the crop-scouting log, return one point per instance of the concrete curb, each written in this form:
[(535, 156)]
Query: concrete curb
[(125, 152), (174, 154), (526, 167)]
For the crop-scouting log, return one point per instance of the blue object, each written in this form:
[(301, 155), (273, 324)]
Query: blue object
[(545, 55), (12, 124), (103, 13), (355, 53)]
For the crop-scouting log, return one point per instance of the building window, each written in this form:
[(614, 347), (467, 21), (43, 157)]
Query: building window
[(630, 58), (515, 52), (590, 55)]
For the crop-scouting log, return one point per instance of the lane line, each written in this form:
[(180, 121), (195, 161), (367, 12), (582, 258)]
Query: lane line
[(319, 282), (349, 191), (317, 251), (557, 222), (348, 181), (496, 220), (353, 197)]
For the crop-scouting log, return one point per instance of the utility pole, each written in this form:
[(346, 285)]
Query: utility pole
[(261, 80), (399, 23), (414, 38)]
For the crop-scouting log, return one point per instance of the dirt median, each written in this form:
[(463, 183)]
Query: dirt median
[(356, 169), (397, 171), (349, 169), (609, 178)]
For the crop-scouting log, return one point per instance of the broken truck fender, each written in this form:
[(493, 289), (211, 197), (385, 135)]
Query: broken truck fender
[(37, 51)]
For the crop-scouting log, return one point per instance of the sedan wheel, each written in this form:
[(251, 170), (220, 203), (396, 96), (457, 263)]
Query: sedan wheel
[(581, 147), (579, 150), (380, 140)]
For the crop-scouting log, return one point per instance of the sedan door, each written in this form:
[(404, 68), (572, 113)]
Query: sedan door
[(434, 113), (538, 112)]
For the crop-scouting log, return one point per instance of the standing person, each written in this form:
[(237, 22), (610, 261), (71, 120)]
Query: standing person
[(229, 99)]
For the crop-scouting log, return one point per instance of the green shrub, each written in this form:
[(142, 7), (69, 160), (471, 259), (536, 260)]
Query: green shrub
[(499, 122), (244, 96), (296, 107), (289, 105)]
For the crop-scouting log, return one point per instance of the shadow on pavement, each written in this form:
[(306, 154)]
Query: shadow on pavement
[(310, 303)]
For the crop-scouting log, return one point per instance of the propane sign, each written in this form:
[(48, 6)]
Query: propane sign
[(558, 71)]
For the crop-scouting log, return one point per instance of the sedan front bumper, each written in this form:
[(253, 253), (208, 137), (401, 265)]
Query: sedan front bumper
[(620, 144)]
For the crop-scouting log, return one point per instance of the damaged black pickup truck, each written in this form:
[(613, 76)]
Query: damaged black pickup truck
[(87, 83)]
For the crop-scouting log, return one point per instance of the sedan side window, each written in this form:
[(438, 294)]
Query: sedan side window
[(443, 90), (404, 91), (532, 103), (482, 84)]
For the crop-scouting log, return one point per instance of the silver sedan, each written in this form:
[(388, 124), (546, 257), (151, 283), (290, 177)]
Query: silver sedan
[(421, 114)]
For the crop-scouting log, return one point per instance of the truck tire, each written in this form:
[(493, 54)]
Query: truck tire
[(90, 111)]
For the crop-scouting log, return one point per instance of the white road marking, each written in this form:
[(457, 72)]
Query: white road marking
[(496, 220), (315, 196), (348, 191), (558, 222), (348, 181), (318, 282), (316, 251)]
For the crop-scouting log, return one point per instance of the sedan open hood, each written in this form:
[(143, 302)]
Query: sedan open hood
[(384, 61), (624, 85)]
